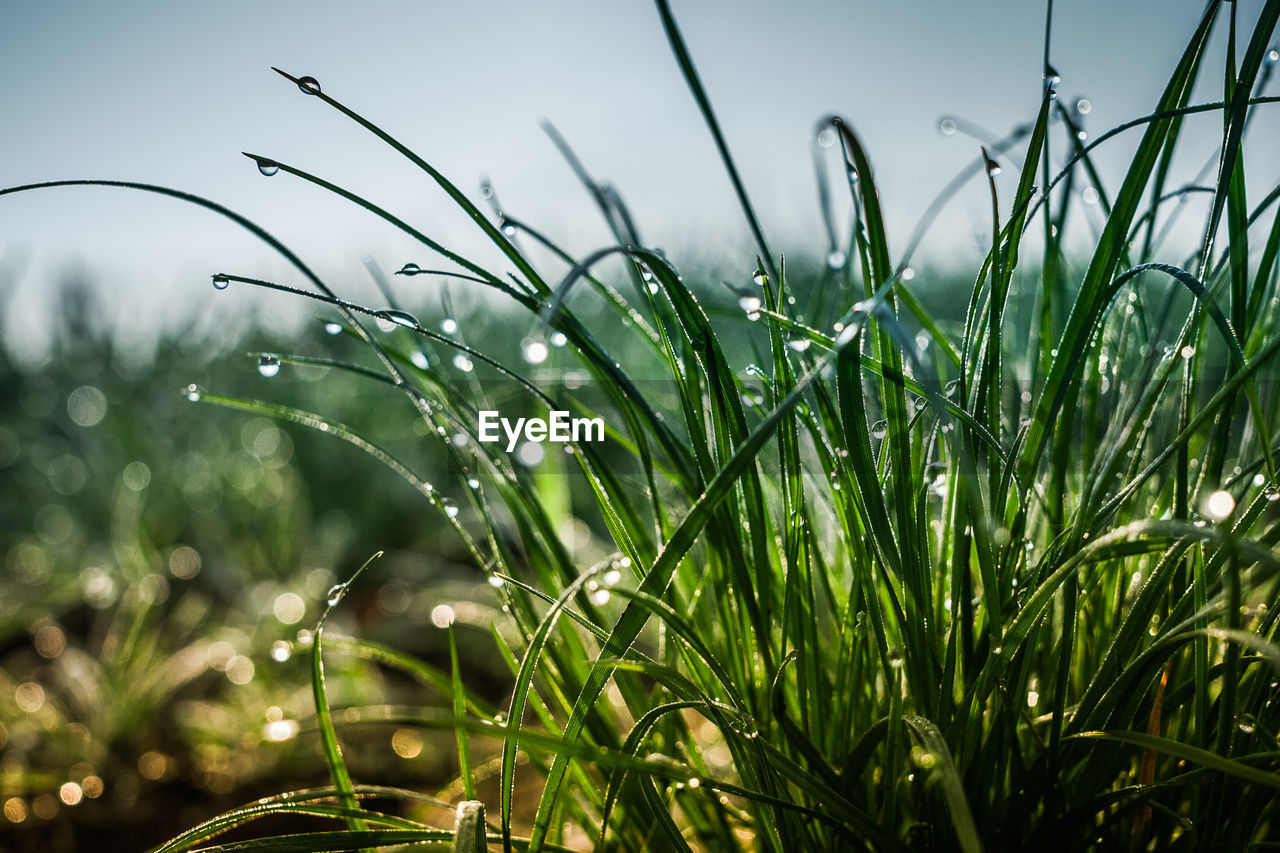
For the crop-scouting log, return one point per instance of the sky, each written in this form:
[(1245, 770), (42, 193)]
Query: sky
[(171, 93)]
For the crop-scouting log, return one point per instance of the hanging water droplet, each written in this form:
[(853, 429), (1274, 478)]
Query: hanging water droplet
[(333, 328), (536, 352), (851, 172), (947, 126), (473, 483), (879, 429), (400, 318), (827, 137), (759, 278), (220, 281), (847, 334), (449, 506), (449, 325), (509, 230), (268, 364), (799, 342), (309, 85), (194, 393), (267, 167), (993, 168), (335, 594), (835, 259), (410, 269)]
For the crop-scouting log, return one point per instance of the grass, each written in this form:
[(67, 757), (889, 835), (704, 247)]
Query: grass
[(916, 579)]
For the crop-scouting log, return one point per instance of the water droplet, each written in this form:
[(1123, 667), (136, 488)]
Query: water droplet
[(509, 230), (826, 137), (220, 281), (449, 325), (335, 594), (751, 304), (799, 342), (907, 274), (268, 364), (895, 657), (993, 168), (410, 269), (535, 352), (835, 259), (496, 582), (1084, 106), (759, 278), (400, 318), (486, 190), (1090, 195), (281, 651), (1218, 505), (600, 597), (473, 483), (947, 126), (879, 428), (449, 506), (333, 328), (194, 393), (419, 359), (309, 85), (1245, 728), (442, 616), (268, 167), (558, 339), (1272, 57), (463, 363)]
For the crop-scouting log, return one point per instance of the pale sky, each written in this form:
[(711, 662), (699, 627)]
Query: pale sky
[(170, 93)]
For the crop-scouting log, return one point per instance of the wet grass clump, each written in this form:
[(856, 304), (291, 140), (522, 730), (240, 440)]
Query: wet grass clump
[(848, 573)]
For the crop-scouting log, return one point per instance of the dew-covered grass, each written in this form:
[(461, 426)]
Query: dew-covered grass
[(868, 560)]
